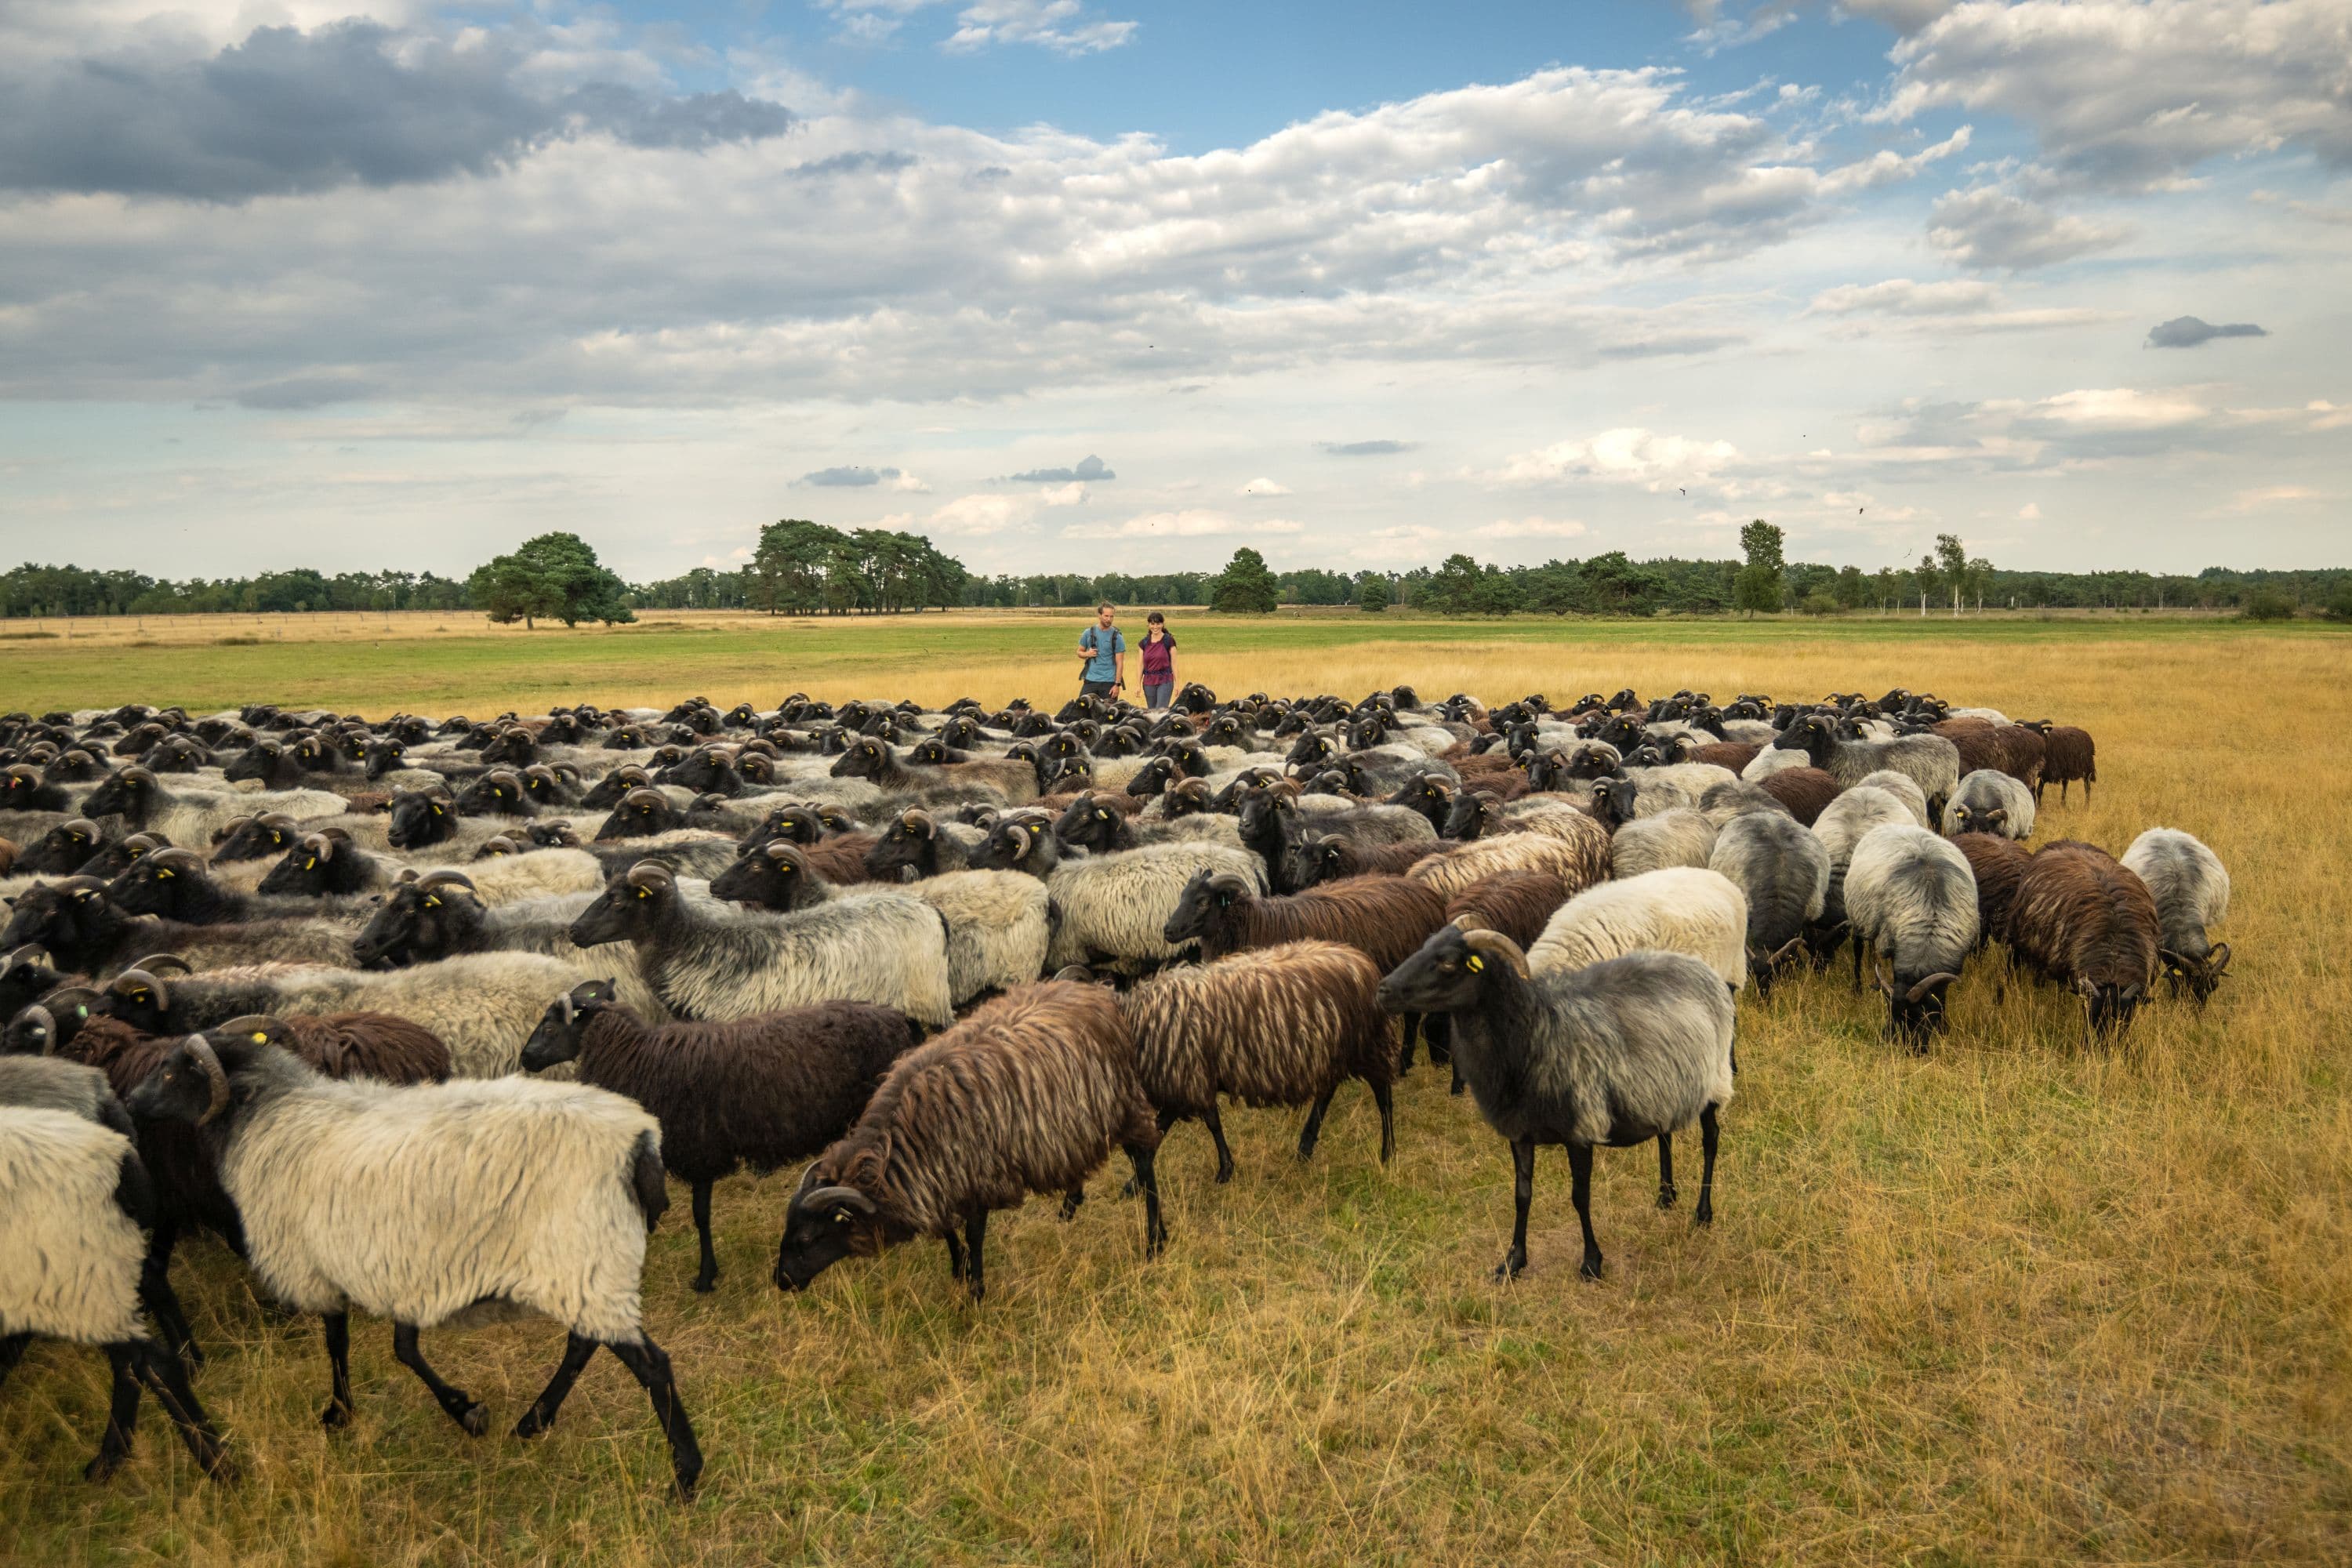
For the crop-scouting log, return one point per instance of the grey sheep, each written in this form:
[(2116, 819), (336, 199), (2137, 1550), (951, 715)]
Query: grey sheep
[(1784, 870), (1989, 801), (1913, 900), (2192, 889)]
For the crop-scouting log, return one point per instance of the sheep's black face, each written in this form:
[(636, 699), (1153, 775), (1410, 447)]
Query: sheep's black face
[(180, 1090), (383, 757), (860, 760), (251, 839), (1309, 747), (1613, 801), (624, 911), (1312, 863), (1444, 976), (816, 1239), (124, 794), (1916, 1021), (557, 1038), (639, 816), (61, 851), (301, 871), (415, 925), (1197, 907), (53, 916), (2110, 1008), (147, 887), (24, 978), (1153, 777), (420, 819)]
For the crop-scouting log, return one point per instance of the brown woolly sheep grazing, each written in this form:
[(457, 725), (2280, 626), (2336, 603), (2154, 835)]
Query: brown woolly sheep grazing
[(759, 1091), (1275, 1026), (1999, 864), (1385, 918), (1570, 845), (1806, 792), (8, 853), (2067, 755), (1029, 1094), (1516, 904), (2084, 922)]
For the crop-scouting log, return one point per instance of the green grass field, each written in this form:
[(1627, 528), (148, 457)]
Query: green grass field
[(2015, 1301)]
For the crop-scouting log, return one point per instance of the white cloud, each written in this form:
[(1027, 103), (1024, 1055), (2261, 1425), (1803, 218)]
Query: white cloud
[(1902, 297), (1071, 494), (976, 515), (1262, 487), (1192, 522), (1992, 227), (1058, 25), (1626, 456), (2029, 513), (1527, 527)]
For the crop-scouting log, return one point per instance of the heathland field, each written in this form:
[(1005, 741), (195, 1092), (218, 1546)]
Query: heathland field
[(2018, 1301)]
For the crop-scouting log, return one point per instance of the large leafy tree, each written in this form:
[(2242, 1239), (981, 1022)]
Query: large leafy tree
[(1952, 566), (1374, 595), (1245, 587), (1759, 585), (555, 577), (1453, 591)]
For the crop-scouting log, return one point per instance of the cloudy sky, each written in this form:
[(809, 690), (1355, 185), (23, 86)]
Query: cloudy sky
[(1078, 283)]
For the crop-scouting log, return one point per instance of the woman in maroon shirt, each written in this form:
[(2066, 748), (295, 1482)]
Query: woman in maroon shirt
[(1159, 662)]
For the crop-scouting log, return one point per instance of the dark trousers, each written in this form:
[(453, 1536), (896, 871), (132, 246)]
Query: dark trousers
[(1156, 694), (1096, 687)]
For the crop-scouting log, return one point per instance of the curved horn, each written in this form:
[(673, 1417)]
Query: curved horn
[(1919, 991), (251, 1024), (825, 1197), (651, 874), (496, 844), (81, 995), (40, 1017), (320, 845), (157, 963), (1780, 955), (1886, 973), (444, 878), (135, 976), (38, 954), (201, 1052), (783, 851), (185, 859), (644, 797), (1231, 882), (80, 827), (2216, 961), (1494, 944), (915, 816)]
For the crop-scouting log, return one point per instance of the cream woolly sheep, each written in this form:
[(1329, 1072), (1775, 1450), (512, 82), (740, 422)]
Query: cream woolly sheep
[(1677, 910), (1570, 845), (1903, 788), (73, 1197), (1989, 801), (1679, 838), (191, 817), (1839, 828), (424, 1204), (2191, 888), (1117, 906)]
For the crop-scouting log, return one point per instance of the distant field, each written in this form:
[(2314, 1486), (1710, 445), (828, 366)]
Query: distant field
[(440, 663), (2016, 1301)]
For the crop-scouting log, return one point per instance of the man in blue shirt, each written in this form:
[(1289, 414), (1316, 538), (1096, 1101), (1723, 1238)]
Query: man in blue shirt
[(1105, 647)]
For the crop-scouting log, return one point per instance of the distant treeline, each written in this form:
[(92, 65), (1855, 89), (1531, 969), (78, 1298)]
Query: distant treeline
[(805, 569)]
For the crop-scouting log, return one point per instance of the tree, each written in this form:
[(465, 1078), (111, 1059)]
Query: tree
[(1952, 567), (1819, 603), (1374, 595), (1980, 578), (787, 569), (1758, 586), (2268, 604), (1929, 577), (555, 577), (1851, 589), (1453, 591), (1245, 587)]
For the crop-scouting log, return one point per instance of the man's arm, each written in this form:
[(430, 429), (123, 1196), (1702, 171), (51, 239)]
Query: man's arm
[(1119, 666)]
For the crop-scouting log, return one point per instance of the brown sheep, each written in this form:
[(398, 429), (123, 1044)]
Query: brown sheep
[(1806, 792), (1999, 863), (2084, 922), (1516, 904), (2067, 755)]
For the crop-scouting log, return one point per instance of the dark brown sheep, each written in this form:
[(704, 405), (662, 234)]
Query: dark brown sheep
[(1319, 859), (1806, 792), (1516, 903), (1999, 863), (1276, 1026), (2067, 755), (1029, 1094), (755, 1092), (2084, 922), (1385, 918)]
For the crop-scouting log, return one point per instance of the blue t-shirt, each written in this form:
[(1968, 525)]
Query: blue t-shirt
[(1103, 666)]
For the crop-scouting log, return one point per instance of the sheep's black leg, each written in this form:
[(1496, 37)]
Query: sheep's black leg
[(338, 1327), (1155, 1233), (1412, 1033), (1385, 1098), (1857, 965), (162, 1303), (707, 1277), (1709, 1132), (161, 1371), (1225, 1150), (1313, 1131), (455, 1402), (1666, 1193), (1455, 1088), (1523, 1194), (121, 1414), (1167, 1117), (1579, 1166), (577, 1349), (975, 1233), (12, 1350), (958, 1268), (1070, 1201), (649, 1364)]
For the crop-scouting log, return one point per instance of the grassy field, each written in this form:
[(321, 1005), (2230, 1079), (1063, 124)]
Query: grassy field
[(2016, 1301)]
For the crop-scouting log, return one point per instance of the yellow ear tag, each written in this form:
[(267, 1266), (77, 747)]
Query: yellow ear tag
[(431, 902), (311, 864), (163, 873), (436, 811), (258, 1039), (641, 893), (1473, 963)]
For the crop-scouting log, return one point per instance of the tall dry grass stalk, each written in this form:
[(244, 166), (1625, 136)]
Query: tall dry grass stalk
[(2019, 1300)]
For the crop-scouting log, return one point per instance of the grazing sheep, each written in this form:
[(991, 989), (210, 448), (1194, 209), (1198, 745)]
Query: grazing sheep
[(1677, 910), (2192, 889), (1116, 907), (1912, 899), (1679, 838), (2084, 922), (1998, 864), (1619, 1053), (73, 1198), (1385, 918), (709, 963), (1839, 828), (759, 1091), (421, 1204), (1029, 1094), (1782, 870), (1283, 1025), (441, 915), (2068, 756), (1989, 802)]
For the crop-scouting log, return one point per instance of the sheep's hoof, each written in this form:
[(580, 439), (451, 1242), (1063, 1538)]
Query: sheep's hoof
[(1225, 1174), (1705, 1214), (1667, 1194), (475, 1419), (1514, 1264), (704, 1284), (532, 1423), (102, 1467), (1591, 1267)]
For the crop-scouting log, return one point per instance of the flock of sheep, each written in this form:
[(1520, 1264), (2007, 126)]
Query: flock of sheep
[(420, 1016)]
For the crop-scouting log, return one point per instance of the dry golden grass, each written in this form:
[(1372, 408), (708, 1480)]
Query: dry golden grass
[(2014, 1302)]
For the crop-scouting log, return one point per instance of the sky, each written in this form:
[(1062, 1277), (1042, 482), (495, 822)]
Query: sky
[(1079, 285)]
